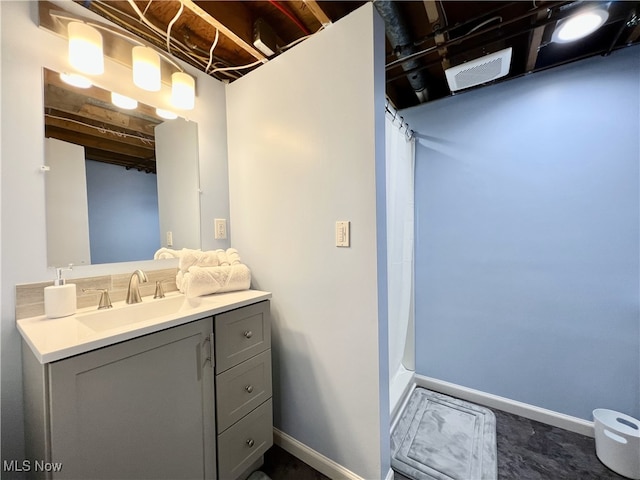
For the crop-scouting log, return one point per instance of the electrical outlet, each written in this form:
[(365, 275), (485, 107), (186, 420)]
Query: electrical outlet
[(220, 228), (169, 239)]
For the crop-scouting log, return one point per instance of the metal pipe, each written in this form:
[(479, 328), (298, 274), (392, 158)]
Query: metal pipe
[(398, 34), (457, 26), (521, 32), (458, 40)]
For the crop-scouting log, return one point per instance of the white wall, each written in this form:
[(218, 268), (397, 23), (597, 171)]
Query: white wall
[(303, 154), (527, 238), (22, 185)]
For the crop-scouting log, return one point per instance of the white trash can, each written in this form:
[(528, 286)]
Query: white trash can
[(618, 442)]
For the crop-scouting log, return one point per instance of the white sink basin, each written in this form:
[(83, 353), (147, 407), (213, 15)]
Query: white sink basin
[(107, 319)]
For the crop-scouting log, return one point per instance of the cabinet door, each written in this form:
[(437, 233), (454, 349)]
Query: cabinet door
[(141, 409)]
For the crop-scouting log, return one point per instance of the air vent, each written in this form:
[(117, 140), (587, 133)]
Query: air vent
[(479, 71)]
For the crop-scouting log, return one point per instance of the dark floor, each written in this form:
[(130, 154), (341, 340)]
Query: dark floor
[(527, 450)]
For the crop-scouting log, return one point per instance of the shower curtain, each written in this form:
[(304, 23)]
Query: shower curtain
[(400, 157)]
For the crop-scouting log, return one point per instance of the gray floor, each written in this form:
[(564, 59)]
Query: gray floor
[(527, 450)]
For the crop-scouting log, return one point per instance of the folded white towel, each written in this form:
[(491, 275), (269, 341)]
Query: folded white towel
[(206, 280), (198, 258), (233, 257), (166, 253), (180, 281)]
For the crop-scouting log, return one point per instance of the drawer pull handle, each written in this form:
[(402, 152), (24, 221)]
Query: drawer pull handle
[(248, 334), (250, 442), (249, 388)]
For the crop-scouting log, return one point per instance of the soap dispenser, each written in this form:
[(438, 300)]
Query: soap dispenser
[(60, 298)]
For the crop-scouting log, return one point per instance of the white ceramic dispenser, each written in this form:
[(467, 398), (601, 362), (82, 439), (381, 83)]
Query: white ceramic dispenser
[(60, 298)]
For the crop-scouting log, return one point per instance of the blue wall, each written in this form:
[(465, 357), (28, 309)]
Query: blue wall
[(127, 199), (527, 237)]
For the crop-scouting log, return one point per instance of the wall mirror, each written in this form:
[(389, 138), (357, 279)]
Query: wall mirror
[(121, 183)]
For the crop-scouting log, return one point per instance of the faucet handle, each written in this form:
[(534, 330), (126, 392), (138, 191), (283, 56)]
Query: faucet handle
[(159, 290), (105, 299)]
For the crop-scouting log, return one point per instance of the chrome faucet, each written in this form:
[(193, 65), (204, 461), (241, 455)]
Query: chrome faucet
[(133, 292)]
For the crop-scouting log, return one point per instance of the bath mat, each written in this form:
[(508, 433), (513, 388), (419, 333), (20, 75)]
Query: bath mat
[(442, 438)]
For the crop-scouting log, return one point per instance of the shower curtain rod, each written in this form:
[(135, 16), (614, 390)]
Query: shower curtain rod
[(394, 113)]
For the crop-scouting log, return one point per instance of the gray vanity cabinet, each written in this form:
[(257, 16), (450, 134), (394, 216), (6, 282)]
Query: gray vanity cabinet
[(244, 409), (140, 409)]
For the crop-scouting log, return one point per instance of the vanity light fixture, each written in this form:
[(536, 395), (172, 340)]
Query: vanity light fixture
[(75, 80), (579, 25), (86, 55), (166, 114), (123, 101), (146, 68), (183, 92), (85, 48)]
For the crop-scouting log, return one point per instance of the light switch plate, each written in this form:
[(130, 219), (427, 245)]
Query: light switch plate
[(169, 239), (343, 233), (220, 226)]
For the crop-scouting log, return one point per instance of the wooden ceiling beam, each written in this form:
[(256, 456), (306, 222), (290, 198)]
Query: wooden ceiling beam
[(535, 40), (315, 8), (128, 139), (231, 19), (634, 35), (98, 143)]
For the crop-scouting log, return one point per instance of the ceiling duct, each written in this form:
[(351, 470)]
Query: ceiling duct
[(479, 71), (398, 35)]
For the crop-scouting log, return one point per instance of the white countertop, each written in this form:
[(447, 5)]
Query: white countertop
[(58, 338)]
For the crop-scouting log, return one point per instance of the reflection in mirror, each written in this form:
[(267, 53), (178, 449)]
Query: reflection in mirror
[(121, 183)]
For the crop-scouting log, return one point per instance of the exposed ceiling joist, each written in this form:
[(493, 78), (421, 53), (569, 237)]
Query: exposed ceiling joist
[(230, 19), (535, 40), (315, 8)]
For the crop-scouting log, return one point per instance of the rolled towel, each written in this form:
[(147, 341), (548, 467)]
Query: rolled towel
[(180, 280), (166, 253), (198, 258), (207, 280), (233, 257)]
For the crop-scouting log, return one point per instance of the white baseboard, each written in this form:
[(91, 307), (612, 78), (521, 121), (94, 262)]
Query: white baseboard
[(390, 475), (316, 460), (556, 419)]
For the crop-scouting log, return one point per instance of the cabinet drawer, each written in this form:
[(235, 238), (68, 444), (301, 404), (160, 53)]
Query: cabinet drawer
[(242, 388), (243, 443), (242, 334)]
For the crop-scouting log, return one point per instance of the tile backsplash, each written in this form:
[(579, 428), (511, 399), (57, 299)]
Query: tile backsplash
[(30, 296)]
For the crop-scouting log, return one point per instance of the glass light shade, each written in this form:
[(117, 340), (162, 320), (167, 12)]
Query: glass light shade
[(166, 114), (85, 48), (183, 91), (146, 68), (123, 101), (75, 80), (579, 25)]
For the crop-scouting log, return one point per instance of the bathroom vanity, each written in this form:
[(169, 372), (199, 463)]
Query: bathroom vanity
[(186, 394)]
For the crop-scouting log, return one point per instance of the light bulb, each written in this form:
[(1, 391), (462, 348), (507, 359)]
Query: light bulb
[(183, 91), (146, 68), (85, 48), (122, 101), (75, 80), (166, 114), (579, 25)]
